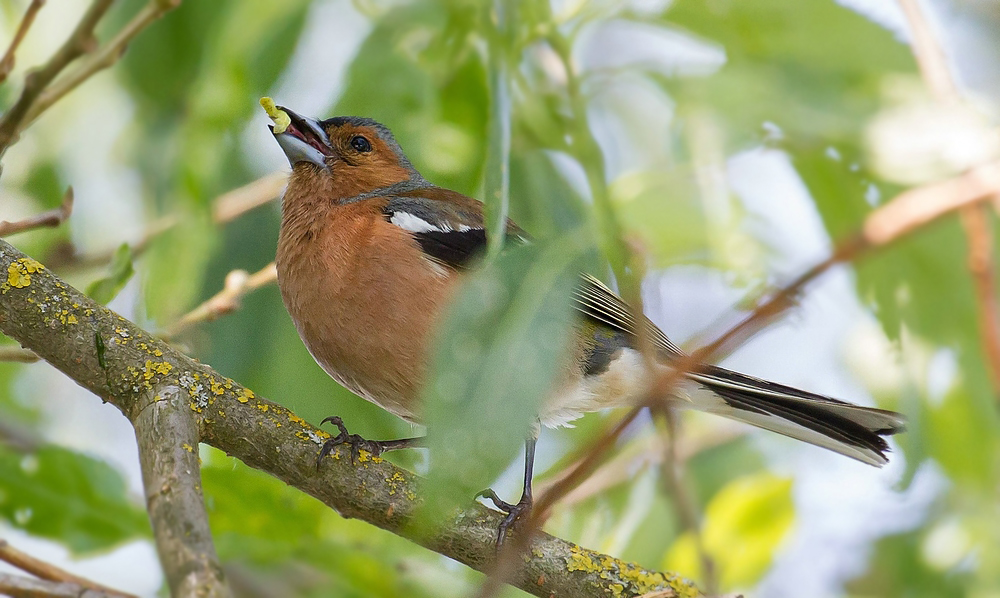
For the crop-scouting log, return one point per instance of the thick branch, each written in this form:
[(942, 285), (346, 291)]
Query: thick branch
[(167, 433), (269, 437)]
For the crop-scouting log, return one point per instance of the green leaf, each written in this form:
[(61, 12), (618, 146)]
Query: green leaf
[(812, 68), (963, 440), (120, 270), (744, 525), (415, 74), (499, 352), (278, 536), (661, 209), (74, 499)]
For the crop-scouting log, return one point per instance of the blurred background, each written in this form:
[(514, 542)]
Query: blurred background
[(739, 142)]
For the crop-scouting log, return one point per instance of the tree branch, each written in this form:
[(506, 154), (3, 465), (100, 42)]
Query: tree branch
[(238, 283), (17, 355), (7, 62), (167, 434), (51, 219), (49, 572), (127, 364), (106, 56), (15, 586), (975, 220), (81, 41)]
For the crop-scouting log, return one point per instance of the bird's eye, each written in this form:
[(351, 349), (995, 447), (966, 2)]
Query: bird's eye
[(361, 144)]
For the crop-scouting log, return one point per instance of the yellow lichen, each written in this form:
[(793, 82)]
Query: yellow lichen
[(151, 369), (187, 447), (244, 395), (19, 272), (627, 578), (280, 117), (581, 561)]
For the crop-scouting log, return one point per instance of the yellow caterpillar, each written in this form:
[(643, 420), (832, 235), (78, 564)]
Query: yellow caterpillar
[(280, 117)]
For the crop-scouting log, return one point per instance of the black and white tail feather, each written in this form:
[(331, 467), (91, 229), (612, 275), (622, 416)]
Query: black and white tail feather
[(850, 430)]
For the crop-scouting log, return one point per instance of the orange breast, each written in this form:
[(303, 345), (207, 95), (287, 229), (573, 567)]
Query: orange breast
[(363, 298)]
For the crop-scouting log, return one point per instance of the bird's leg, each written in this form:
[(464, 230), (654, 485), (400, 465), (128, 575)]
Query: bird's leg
[(524, 505), (375, 447)]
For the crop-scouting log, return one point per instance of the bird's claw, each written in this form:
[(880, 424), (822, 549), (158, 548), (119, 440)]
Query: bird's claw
[(374, 447), (513, 511)]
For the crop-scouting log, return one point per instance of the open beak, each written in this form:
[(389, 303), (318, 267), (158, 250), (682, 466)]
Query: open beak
[(304, 140)]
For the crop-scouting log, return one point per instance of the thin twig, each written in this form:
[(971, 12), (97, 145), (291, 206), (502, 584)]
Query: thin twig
[(103, 58), (50, 219), (673, 468), (975, 219), (649, 452), (17, 355), (15, 586), (929, 54), (238, 284), (225, 208), (916, 207), (48, 571), (80, 42), (7, 62), (232, 204), (18, 437)]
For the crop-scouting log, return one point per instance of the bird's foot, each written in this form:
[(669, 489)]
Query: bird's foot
[(358, 444), (513, 511)]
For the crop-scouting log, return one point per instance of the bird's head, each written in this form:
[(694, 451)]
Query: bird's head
[(350, 155)]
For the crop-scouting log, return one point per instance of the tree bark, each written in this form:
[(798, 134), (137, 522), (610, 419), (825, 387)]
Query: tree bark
[(133, 370)]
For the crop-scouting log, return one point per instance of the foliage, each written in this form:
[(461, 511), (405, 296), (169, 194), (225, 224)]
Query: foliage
[(64, 495)]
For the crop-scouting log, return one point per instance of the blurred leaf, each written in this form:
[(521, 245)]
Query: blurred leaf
[(743, 527), (541, 201), (244, 503), (436, 109), (76, 500), (899, 569), (46, 185), (962, 440), (120, 271), (499, 352), (660, 208), (174, 268), (812, 68), (287, 539)]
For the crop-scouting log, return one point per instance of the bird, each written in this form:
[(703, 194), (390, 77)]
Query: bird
[(370, 252)]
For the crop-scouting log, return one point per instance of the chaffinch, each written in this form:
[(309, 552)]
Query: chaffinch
[(370, 252)]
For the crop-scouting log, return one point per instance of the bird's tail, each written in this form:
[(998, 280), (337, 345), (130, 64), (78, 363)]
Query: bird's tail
[(847, 429)]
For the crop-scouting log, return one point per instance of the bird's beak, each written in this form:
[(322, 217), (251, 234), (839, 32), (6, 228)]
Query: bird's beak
[(304, 140)]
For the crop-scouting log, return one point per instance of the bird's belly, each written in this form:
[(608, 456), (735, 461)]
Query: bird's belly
[(373, 391), (372, 337), (622, 383)]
